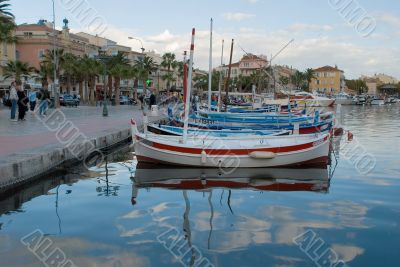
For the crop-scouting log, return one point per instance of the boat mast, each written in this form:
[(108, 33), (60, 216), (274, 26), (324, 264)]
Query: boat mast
[(229, 77), (189, 88), (184, 79), (220, 78), (210, 67)]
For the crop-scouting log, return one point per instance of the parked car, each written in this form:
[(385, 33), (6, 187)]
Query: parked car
[(124, 100), (69, 101)]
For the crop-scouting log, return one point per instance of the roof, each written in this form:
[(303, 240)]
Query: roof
[(327, 69), (252, 57)]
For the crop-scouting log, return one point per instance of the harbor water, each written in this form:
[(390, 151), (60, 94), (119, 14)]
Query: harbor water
[(121, 214)]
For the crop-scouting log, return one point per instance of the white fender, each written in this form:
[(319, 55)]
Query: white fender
[(134, 130), (203, 157), (262, 155)]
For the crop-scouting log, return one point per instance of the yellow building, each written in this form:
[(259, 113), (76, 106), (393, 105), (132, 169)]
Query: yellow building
[(329, 80)]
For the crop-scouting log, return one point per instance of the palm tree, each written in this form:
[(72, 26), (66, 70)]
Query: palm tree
[(309, 74), (298, 79), (116, 65), (144, 67), (91, 69), (169, 62), (18, 70), (41, 75), (284, 80), (68, 66), (5, 10), (169, 77), (48, 60), (201, 82)]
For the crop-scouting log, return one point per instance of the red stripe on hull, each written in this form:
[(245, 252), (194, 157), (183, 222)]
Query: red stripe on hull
[(198, 151)]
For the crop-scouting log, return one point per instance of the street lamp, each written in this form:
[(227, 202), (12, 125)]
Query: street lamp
[(55, 93), (102, 61), (133, 38)]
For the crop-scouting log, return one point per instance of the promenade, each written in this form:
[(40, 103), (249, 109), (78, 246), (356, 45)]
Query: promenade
[(30, 147)]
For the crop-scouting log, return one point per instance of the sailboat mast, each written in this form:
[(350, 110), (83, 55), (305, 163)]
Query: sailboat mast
[(220, 78), (229, 77), (184, 78), (189, 88), (210, 67)]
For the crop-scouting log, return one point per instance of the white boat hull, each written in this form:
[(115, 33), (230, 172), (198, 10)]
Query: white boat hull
[(379, 102), (313, 152)]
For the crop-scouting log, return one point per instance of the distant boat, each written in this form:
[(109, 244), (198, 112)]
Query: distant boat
[(311, 100), (380, 101), (359, 100), (343, 99)]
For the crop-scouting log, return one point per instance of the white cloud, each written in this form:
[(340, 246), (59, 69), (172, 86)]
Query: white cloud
[(252, 1), (237, 16), (315, 51), (390, 19), (304, 26)]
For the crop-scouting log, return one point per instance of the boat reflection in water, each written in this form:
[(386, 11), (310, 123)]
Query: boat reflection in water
[(264, 179), (207, 180)]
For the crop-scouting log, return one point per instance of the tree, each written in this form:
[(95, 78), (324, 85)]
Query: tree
[(92, 68), (309, 74), (169, 62), (116, 67), (18, 70), (284, 80), (201, 82), (41, 75), (68, 67), (48, 60), (358, 86), (298, 79), (5, 13), (144, 66)]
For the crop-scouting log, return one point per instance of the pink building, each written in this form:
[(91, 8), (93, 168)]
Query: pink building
[(250, 63)]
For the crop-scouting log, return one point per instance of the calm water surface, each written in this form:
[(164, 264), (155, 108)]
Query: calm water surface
[(245, 218)]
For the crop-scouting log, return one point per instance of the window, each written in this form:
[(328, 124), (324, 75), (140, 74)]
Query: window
[(41, 53), (316, 81), (28, 34), (325, 74)]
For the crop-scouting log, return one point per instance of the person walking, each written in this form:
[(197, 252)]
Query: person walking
[(32, 100), (44, 98), (14, 101), (22, 102)]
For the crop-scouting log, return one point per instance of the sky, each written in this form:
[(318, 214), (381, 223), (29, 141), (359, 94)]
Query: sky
[(360, 37)]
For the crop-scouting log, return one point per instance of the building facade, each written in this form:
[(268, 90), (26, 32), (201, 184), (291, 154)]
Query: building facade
[(35, 39), (329, 80)]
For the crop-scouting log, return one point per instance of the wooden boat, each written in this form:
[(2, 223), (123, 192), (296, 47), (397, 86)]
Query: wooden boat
[(310, 100), (178, 131), (271, 179), (232, 152), (228, 152)]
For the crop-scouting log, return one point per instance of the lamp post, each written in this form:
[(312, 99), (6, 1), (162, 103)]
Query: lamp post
[(101, 59), (142, 48), (141, 43), (55, 93)]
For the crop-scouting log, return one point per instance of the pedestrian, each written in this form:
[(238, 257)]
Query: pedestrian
[(14, 101), (32, 100), (44, 98), (152, 100), (22, 102)]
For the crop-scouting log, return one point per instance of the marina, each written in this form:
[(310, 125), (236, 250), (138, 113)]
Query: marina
[(154, 137)]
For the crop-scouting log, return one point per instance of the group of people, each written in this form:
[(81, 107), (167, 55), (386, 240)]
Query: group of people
[(19, 99)]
